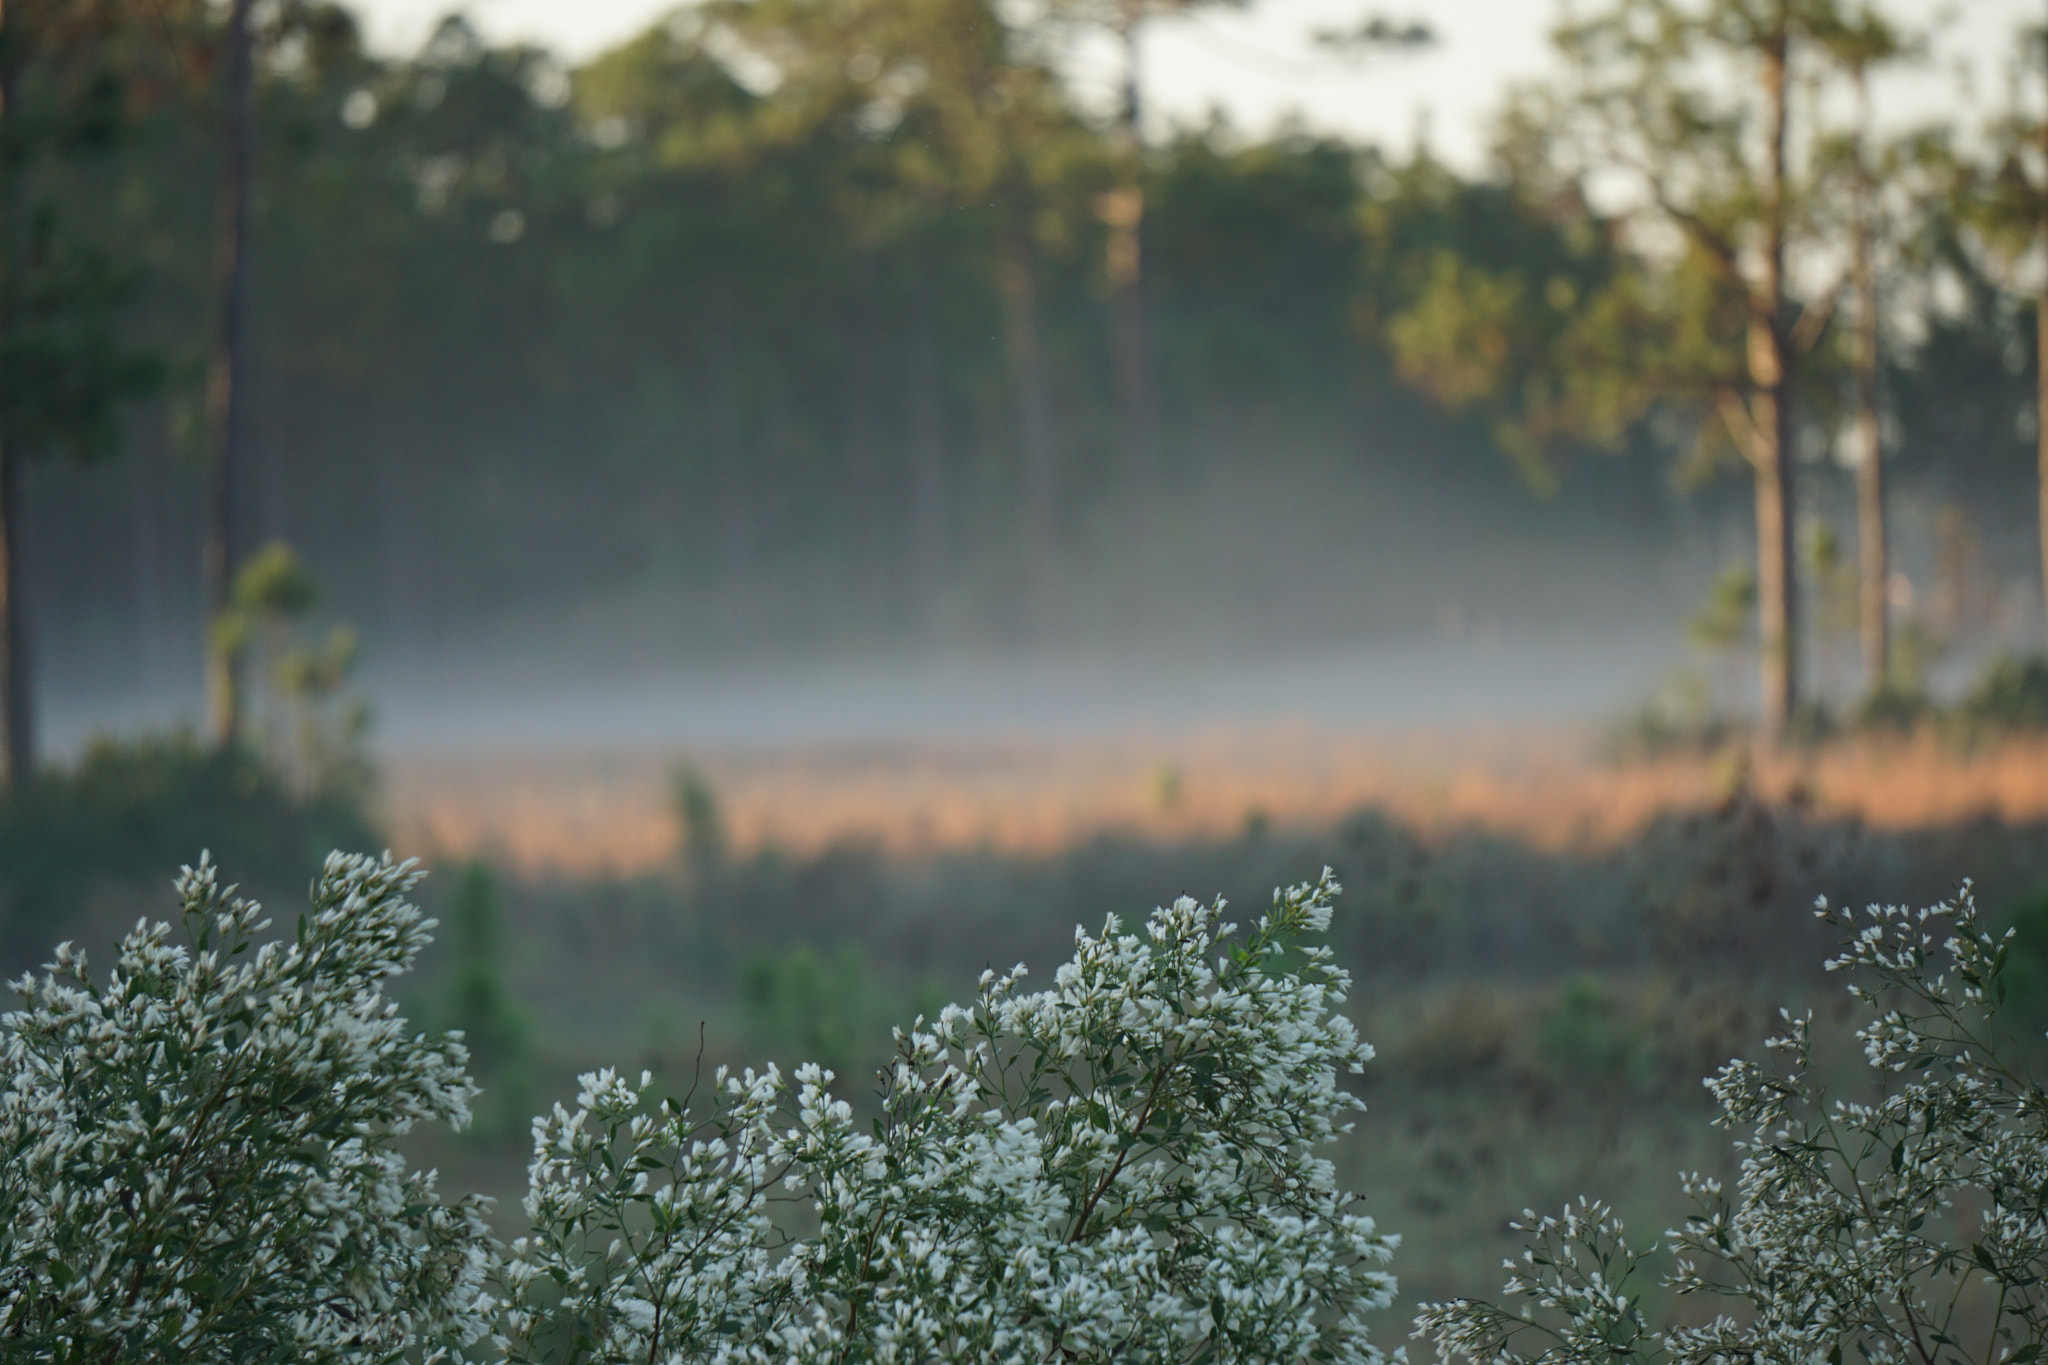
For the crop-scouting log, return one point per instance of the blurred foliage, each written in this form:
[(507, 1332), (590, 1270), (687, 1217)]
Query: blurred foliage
[(751, 326), (2010, 696), (726, 319), (129, 814), (275, 584), (1497, 298), (1670, 724), (2025, 1007), (1542, 1013), (75, 104), (832, 1008), (776, 950), (695, 806), (1726, 620), (1590, 1040), (475, 999), (301, 720), (1893, 710)]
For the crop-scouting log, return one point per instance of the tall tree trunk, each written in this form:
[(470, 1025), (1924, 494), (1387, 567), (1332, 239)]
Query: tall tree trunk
[(1124, 214), (2041, 373), (2041, 421), (1018, 283), (271, 478), (863, 577), (225, 379), (1873, 569), (1776, 538), (926, 403), (1770, 372), (150, 606), (17, 717), (401, 584), (728, 430)]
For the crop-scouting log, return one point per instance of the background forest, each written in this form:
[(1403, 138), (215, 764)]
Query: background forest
[(789, 331), (372, 424)]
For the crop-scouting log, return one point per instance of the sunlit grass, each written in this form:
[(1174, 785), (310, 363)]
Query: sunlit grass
[(595, 812)]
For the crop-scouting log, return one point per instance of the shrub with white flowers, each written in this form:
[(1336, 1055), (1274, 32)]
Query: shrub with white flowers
[(1908, 1228), (199, 1166), (196, 1155), (1125, 1166)]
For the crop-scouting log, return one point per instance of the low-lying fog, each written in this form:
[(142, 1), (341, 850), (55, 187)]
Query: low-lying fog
[(1491, 677)]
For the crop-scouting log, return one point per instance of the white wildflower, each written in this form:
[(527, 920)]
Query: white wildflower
[(198, 1155), (1124, 1166), (1847, 1237)]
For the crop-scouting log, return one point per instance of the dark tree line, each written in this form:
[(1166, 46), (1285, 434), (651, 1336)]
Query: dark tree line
[(827, 321)]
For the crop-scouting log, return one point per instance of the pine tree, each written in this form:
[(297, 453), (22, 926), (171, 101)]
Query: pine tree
[(63, 373)]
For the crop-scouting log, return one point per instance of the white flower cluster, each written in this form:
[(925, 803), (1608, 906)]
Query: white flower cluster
[(196, 1156), (1125, 1166), (1909, 1230)]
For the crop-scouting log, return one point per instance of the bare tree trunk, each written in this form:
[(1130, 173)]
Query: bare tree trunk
[(1771, 375), (1873, 569), (735, 503), (401, 580), (926, 401), (2041, 421), (2041, 394), (224, 382), (1873, 553), (150, 606), (863, 577), (1018, 283), (271, 478), (17, 717), (1775, 548), (1124, 213)]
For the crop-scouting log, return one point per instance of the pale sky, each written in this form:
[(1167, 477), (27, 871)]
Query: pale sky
[(1257, 64)]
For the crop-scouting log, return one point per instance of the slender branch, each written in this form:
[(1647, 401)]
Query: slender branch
[(1741, 425), (1815, 317), (1122, 1157), (1703, 234)]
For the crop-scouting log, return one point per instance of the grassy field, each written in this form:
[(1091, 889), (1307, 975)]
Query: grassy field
[(1551, 950), (613, 814)]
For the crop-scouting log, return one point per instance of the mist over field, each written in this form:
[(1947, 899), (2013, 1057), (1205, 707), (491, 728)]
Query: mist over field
[(1360, 603), (1363, 580)]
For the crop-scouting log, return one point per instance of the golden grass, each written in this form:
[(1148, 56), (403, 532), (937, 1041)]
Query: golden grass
[(580, 813)]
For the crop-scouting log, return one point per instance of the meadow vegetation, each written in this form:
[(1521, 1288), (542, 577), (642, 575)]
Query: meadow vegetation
[(82, 848), (1179, 1144), (1543, 1010)]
